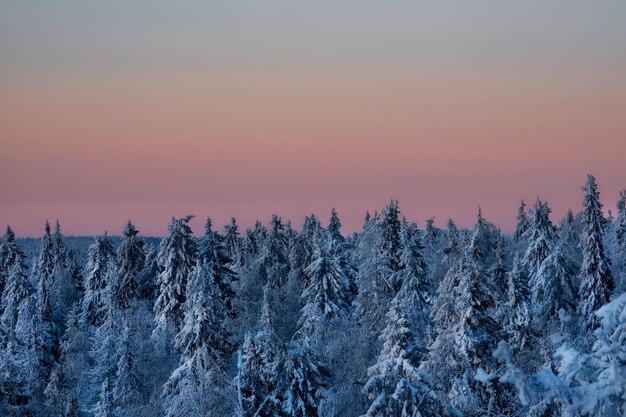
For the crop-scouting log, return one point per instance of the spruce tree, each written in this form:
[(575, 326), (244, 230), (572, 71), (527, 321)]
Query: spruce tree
[(8, 252), (126, 392), (523, 223), (518, 320), (452, 249), (620, 221), (542, 237), (467, 333), (390, 246), (329, 293), (100, 273), (255, 380), (334, 227), (104, 406), (396, 385), (192, 388), (430, 234), (176, 260), (553, 288), (232, 244), (304, 382), (274, 257), (44, 279), (17, 291), (147, 279), (213, 253), (596, 281), (131, 259)]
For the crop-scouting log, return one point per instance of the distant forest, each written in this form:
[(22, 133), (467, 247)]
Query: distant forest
[(391, 321)]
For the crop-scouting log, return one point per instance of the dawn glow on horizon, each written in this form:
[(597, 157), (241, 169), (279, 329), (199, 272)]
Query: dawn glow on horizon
[(145, 110)]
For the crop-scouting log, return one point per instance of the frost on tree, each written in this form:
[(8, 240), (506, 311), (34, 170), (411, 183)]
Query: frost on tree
[(589, 384), (213, 253), (232, 244), (467, 333), (17, 288), (100, 272), (274, 257), (131, 259), (522, 222), (596, 281), (542, 237), (396, 385), (553, 289), (176, 260), (194, 386), (379, 251), (329, 293)]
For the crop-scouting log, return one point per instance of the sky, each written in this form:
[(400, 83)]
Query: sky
[(144, 110)]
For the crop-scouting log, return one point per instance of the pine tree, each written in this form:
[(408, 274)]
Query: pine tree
[(334, 227), (302, 248), (415, 293), (431, 233), (396, 385), (74, 359), (131, 259), (518, 319), (232, 244), (596, 281), (104, 407), (104, 348), (204, 343), (304, 382), (568, 229), (259, 366), (619, 244), (100, 273), (452, 249), (620, 221), (52, 392), (66, 285), (390, 244), (256, 379), (147, 279), (17, 290), (126, 392), (8, 252), (44, 279), (542, 237), (523, 224), (213, 253), (329, 293), (553, 288), (467, 333), (274, 261), (176, 260), (589, 383), (41, 331), (63, 256)]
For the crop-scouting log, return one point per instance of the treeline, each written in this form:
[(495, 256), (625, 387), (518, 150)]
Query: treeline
[(391, 321)]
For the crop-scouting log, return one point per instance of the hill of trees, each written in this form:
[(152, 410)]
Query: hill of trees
[(271, 321)]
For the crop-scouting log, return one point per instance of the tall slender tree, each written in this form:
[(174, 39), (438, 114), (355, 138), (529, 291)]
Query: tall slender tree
[(176, 260), (204, 341), (100, 273), (523, 223), (131, 258), (596, 280)]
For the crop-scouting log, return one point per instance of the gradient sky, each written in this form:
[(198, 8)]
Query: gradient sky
[(148, 109)]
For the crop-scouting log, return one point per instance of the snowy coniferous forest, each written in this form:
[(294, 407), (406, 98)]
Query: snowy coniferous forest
[(272, 321)]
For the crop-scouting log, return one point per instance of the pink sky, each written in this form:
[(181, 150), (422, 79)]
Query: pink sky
[(94, 147)]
